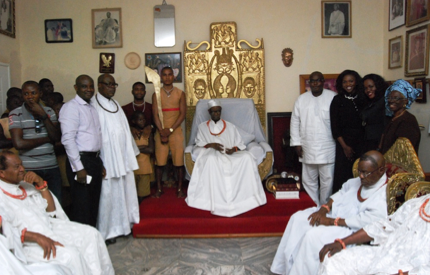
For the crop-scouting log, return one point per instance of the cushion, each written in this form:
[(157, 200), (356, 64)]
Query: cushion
[(256, 151), (246, 137), (394, 169)]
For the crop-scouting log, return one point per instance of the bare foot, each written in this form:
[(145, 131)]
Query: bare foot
[(180, 194), (158, 193)]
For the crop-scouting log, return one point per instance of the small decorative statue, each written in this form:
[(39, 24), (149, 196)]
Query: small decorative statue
[(287, 57)]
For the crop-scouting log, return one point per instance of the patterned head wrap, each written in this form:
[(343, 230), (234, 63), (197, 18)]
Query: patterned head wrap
[(213, 103), (403, 87)]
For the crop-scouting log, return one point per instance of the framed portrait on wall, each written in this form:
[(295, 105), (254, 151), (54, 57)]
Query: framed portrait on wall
[(58, 31), (421, 83), (396, 14), (417, 51), (417, 12), (158, 61), (7, 18), (106, 28), (329, 82), (336, 19), (395, 52)]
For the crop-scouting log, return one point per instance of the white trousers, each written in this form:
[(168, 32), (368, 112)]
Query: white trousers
[(310, 174)]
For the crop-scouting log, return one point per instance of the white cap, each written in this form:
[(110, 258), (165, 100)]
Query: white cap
[(213, 103)]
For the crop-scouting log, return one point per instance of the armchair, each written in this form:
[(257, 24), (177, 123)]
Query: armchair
[(243, 114), (403, 169)]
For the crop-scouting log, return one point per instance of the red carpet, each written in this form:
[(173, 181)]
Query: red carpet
[(170, 217)]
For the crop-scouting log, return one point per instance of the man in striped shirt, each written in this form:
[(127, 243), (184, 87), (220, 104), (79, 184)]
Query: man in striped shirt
[(34, 130)]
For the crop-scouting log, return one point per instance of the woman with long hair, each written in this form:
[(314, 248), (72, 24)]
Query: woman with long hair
[(373, 115), (398, 98), (346, 125)]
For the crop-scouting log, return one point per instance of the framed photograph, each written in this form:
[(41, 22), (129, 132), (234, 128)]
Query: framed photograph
[(278, 128), (395, 52), (417, 51), (396, 14), (421, 83), (107, 63), (58, 30), (107, 28), (158, 61), (7, 18), (336, 19), (329, 83), (417, 12)]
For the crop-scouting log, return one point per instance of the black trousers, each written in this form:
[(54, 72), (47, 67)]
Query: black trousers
[(86, 197)]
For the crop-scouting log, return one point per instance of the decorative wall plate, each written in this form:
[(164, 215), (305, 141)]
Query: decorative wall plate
[(132, 61)]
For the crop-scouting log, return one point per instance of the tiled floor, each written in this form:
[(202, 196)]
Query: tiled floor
[(193, 256)]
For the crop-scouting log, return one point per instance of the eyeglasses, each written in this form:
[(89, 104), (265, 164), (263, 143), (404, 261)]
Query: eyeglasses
[(366, 174), (111, 85), (316, 80), (394, 98)]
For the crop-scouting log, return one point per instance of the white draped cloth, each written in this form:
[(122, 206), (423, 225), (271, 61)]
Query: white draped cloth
[(400, 242), (298, 252), (119, 207), (84, 249), (226, 185)]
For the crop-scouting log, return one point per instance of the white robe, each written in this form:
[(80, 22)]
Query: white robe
[(226, 185), (119, 207), (84, 249), (298, 252), (401, 242)]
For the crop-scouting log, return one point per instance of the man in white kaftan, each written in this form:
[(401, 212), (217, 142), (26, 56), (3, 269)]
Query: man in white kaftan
[(119, 207), (312, 138), (337, 21), (399, 242), (43, 227), (361, 201), (225, 179)]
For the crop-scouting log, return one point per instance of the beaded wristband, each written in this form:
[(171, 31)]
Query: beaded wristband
[(23, 234), (45, 184), (326, 207), (400, 272), (235, 148), (341, 242), (0, 221), (336, 221)]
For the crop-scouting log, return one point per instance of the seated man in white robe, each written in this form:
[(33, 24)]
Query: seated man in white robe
[(225, 179), (45, 231), (361, 201), (400, 244)]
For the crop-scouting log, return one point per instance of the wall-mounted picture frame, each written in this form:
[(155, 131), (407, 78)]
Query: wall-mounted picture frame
[(396, 14), (417, 12), (59, 30), (7, 18), (417, 51), (107, 63), (106, 28), (421, 83), (158, 61), (395, 52), (329, 82), (336, 19)]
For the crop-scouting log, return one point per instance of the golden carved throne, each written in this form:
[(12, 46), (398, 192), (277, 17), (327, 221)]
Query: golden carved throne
[(226, 68), (403, 169)]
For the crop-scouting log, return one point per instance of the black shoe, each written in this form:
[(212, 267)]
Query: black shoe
[(110, 241)]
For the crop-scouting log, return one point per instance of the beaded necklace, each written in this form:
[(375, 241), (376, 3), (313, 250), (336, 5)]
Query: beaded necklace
[(423, 213), (117, 108), (352, 99), (223, 129), (360, 199), (20, 197), (138, 105)]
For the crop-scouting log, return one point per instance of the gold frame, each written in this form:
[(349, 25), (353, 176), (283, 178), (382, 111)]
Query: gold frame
[(324, 17), (390, 52), (410, 33), (409, 10), (94, 14), (12, 21)]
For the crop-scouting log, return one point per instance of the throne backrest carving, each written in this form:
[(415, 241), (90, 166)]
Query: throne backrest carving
[(225, 69)]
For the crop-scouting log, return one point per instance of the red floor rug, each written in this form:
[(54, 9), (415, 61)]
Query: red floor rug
[(170, 217)]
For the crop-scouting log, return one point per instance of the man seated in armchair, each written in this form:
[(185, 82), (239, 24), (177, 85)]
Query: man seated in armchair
[(360, 201), (225, 178)]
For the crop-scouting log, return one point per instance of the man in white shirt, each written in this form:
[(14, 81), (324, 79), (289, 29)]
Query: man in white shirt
[(225, 178), (311, 135), (81, 137)]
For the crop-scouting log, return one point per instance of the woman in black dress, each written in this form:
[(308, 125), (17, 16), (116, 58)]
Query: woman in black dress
[(346, 125), (373, 115)]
